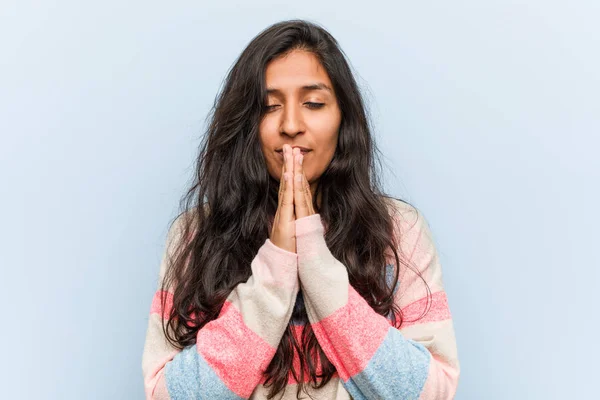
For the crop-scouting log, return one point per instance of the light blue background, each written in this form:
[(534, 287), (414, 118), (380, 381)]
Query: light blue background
[(487, 112)]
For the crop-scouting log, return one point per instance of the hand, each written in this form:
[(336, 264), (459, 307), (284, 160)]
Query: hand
[(303, 203), (283, 233)]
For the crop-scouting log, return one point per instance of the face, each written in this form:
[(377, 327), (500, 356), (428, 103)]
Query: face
[(302, 110)]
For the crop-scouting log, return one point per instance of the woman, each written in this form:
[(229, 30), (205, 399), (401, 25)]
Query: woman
[(289, 287)]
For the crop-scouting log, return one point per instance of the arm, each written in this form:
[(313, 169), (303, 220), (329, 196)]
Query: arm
[(232, 351), (374, 359)]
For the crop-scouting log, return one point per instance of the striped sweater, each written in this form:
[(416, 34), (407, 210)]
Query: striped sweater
[(373, 359)]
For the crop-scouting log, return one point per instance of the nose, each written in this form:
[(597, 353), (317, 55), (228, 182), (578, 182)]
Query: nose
[(292, 122)]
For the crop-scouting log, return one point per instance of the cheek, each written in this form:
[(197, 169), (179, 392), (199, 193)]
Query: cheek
[(267, 144), (273, 166), (268, 129), (327, 148), (317, 164)]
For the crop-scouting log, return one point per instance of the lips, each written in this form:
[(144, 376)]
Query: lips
[(303, 150), (280, 153)]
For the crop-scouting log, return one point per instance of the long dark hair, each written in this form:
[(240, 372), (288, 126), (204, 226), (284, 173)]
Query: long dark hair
[(233, 194)]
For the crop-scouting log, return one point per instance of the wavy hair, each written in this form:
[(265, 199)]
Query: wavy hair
[(238, 195)]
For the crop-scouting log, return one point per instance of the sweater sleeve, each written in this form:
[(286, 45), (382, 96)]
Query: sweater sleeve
[(231, 352), (374, 359)]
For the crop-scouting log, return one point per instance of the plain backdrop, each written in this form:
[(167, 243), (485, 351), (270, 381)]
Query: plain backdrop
[(487, 113)]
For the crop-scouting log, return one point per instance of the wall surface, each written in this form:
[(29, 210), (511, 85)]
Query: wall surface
[(487, 114)]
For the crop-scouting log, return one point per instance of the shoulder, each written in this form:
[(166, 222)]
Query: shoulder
[(406, 216), (185, 223), (412, 233), (418, 246), (182, 225)]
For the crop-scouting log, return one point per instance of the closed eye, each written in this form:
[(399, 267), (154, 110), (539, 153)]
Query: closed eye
[(315, 105), (311, 105)]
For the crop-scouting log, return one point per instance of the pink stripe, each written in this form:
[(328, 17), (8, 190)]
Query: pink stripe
[(156, 306), (438, 311), (442, 381), (226, 341), (351, 335), (296, 362)]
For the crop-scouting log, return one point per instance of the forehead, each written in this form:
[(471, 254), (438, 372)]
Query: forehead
[(297, 71)]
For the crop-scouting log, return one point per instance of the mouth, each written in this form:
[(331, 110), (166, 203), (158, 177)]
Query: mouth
[(302, 150)]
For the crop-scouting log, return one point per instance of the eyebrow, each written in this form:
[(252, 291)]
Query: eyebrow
[(305, 88)]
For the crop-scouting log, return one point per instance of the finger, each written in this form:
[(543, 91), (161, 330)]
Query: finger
[(300, 204), (281, 187), (308, 195), (287, 208), (281, 181), (279, 197)]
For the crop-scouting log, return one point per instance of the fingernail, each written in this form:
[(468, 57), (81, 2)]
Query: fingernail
[(298, 178), (301, 158)]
